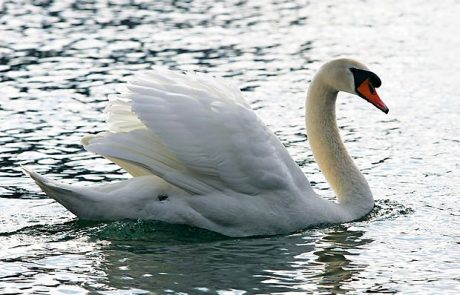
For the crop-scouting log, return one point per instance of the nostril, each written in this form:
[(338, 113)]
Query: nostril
[(371, 88)]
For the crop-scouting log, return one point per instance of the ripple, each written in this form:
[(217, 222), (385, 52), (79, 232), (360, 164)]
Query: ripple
[(158, 232), (60, 59), (387, 209)]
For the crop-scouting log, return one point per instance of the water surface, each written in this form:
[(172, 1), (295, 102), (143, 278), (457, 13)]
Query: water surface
[(60, 59)]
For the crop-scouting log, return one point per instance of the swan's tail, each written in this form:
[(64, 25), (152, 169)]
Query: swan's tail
[(138, 197), (68, 196), (51, 188)]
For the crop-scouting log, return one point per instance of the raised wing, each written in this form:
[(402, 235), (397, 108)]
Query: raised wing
[(209, 135)]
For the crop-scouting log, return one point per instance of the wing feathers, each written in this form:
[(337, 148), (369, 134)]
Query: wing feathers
[(197, 133), (141, 149)]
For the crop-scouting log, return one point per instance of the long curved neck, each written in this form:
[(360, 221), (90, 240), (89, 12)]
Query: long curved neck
[(329, 151)]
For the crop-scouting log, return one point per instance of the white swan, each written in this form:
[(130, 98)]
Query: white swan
[(199, 155)]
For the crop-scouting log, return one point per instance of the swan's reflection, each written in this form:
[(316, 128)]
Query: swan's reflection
[(335, 253), (316, 260)]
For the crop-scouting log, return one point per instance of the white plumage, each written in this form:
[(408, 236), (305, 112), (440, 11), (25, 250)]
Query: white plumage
[(199, 155)]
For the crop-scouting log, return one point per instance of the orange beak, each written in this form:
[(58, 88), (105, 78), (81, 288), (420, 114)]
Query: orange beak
[(367, 91)]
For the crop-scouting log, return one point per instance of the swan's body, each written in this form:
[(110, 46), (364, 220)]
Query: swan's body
[(200, 156)]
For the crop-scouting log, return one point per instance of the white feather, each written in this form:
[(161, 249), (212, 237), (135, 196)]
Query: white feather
[(201, 156)]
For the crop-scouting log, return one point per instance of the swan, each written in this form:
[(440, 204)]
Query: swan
[(199, 155)]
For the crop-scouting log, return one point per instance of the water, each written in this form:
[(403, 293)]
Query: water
[(59, 60)]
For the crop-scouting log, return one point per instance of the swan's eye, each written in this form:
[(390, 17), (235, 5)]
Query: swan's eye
[(362, 75)]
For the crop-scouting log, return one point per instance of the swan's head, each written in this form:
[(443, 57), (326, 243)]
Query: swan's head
[(353, 77)]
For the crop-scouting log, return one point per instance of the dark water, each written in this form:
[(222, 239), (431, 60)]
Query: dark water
[(59, 60)]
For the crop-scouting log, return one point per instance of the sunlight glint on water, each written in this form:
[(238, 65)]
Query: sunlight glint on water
[(60, 59)]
